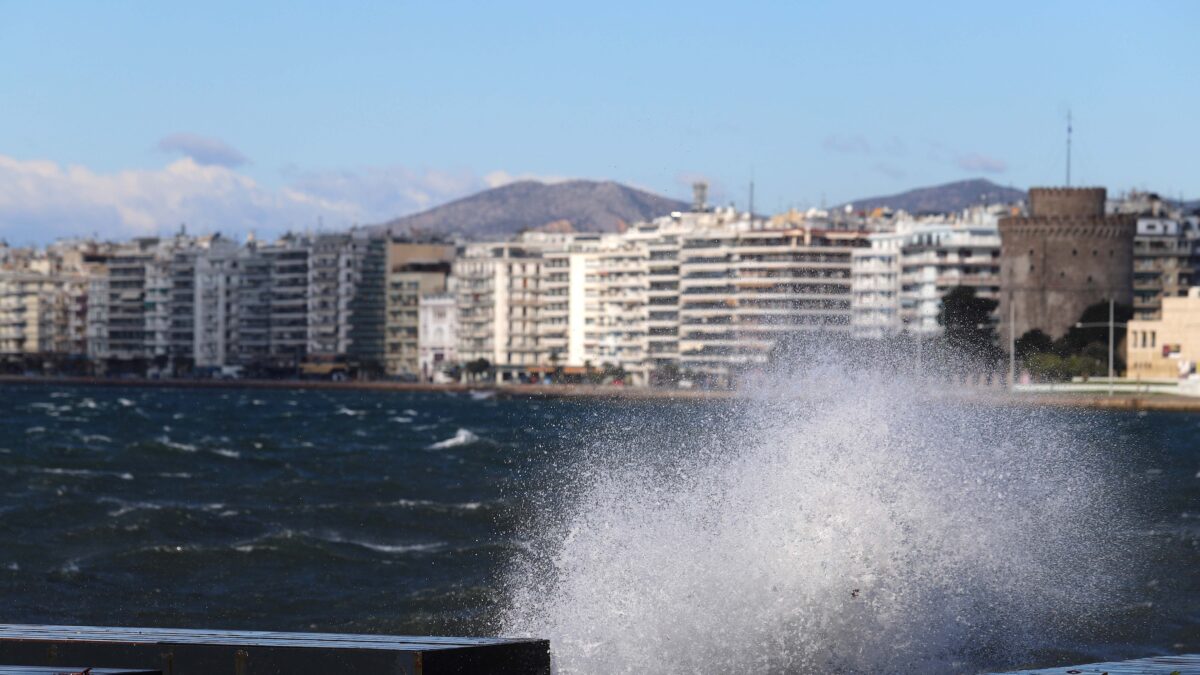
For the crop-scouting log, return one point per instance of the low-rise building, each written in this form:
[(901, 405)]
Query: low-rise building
[(1167, 347)]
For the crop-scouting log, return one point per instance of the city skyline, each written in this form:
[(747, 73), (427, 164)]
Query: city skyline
[(130, 120)]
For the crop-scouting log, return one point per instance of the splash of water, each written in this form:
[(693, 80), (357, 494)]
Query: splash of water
[(833, 525)]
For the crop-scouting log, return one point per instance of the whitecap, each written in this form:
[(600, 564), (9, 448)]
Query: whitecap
[(86, 473), (232, 454), (343, 410), (185, 447), (390, 548), (410, 412), (461, 437), (402, 420), (125, 402), (36, 430), (427, 503)]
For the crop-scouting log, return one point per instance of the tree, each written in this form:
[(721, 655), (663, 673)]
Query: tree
[(969, 333), (1077, 339), (1033, 342), (478, 367)]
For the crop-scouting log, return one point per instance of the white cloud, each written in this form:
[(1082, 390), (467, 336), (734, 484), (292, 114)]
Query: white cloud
[(975, 162), (43, 200), (381, 193), (501, 178)]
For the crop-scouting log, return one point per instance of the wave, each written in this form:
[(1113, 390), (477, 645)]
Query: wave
[(264, 542), (87, 473), (429, 504), (854, 529), (460, 437)]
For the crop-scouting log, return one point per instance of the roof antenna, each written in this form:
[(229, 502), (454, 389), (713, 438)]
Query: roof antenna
[(751, 193), (1068, 147)]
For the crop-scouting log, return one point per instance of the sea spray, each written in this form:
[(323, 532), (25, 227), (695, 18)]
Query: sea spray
[(832, 524)]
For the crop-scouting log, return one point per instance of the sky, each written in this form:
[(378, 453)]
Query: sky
[(122, 119)]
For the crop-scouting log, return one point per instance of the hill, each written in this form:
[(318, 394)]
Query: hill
[(944, 198), (588, 206)]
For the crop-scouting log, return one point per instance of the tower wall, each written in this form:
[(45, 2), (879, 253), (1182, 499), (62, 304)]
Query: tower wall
[(1064, 257)]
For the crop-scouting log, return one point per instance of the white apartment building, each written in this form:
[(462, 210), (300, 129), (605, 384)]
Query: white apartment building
[(747, 288), (286, 262), (499, 306), (437, 334), (899, 280)]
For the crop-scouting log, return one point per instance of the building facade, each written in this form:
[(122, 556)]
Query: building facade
[(1062, 257), (437, 335), (413, 270), (1166, 261), (1167, 347)]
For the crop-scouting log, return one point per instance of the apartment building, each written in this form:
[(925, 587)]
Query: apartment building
[(286, 262), (499, 286), (414, 270), (346, 296), (745, 290), (40, 312), (898, 280), (216, 310), (437, 334), (1166, 262)]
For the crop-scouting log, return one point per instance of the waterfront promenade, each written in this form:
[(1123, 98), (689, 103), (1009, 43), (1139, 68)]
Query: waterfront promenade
[(1091, 400)]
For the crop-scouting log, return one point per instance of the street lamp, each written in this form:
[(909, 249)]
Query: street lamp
[(1112, 324)]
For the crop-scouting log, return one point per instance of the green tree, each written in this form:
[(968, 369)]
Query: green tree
[(968, 332), (478, 367), (1095, 317), (1033, 342)]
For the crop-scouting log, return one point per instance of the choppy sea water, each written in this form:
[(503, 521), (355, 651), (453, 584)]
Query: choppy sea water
[(408, 513)]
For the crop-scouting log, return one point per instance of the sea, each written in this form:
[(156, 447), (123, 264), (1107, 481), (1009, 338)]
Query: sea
[(625, 531)]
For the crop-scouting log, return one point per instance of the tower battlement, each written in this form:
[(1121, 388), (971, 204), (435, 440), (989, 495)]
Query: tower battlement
[(1051, 202)]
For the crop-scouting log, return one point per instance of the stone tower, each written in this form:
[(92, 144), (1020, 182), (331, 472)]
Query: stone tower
[(1062, 257)]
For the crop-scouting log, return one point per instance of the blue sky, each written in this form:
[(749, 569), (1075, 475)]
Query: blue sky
[(122, 118)]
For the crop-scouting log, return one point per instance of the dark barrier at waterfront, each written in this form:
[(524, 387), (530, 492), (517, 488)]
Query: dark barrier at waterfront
[(209, 652)]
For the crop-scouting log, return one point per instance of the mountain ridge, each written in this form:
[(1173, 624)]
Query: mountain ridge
[(942, 198), (587, 205)]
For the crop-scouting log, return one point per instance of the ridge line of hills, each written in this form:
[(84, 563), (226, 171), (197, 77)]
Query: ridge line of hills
[(608, 206)]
